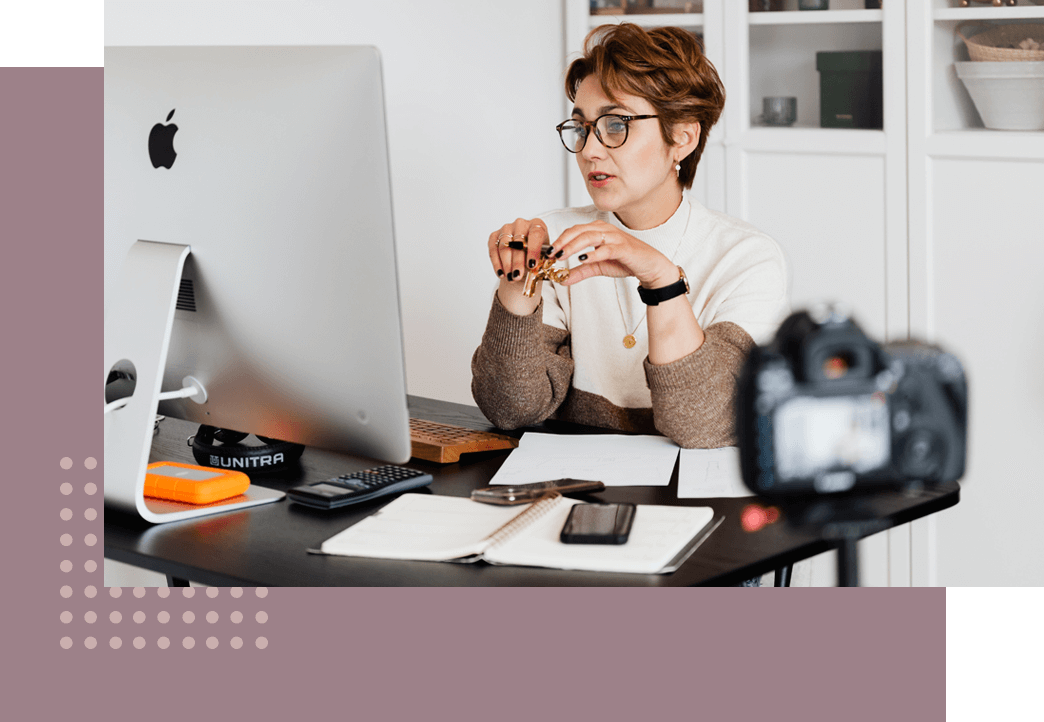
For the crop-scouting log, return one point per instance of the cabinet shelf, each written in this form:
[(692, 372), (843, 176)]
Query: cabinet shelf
[(655, 20), (984, 144), (818, 141), (816, 17), (1018, 12)]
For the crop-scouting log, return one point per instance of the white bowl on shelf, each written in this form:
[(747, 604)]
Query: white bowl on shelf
[(1008, 96)]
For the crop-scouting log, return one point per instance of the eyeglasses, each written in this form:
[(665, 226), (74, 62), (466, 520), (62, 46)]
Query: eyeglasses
[(611, 131)]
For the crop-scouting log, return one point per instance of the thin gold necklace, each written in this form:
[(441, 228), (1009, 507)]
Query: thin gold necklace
[(629, 340)]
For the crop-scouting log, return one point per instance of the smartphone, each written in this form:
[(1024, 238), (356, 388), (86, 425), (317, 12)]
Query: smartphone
[(598, 524)]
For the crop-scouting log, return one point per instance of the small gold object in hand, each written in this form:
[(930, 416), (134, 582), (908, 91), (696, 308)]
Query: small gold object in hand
[(546, 271)]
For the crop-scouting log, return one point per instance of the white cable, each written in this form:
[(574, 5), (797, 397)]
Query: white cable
[(192, 388), (117, 404), (182, 393)]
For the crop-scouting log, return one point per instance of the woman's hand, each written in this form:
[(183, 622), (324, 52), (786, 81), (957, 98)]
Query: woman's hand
[(514, 249), (615, 253)]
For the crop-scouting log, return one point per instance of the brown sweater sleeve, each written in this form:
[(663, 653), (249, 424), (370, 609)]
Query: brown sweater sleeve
[(521, 371), (693, 398)]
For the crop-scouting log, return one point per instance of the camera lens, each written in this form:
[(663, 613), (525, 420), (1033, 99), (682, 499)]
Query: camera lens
[(836, 366), (921, 456)]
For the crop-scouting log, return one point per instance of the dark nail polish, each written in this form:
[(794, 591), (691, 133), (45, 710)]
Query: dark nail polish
[(532, 262), (559, 254), (516, 274), (550, 250), (500, 272), (583, 257)]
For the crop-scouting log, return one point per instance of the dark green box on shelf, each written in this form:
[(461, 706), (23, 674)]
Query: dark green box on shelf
[(850, 89)]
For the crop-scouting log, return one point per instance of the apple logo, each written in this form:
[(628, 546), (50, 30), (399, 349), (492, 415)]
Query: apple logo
[(161, 144)]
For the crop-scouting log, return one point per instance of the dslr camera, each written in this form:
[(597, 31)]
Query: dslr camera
[(825, 410)]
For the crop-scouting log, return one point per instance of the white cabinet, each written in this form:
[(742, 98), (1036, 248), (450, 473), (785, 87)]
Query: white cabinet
[(914, 226)]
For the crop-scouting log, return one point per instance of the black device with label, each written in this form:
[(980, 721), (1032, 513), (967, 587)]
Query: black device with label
[(359, 486), (598, 524)]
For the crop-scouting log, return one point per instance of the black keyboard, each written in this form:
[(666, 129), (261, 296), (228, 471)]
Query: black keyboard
[(359, 486)]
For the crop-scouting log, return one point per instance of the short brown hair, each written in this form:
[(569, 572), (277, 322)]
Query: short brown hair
[(666, 66)]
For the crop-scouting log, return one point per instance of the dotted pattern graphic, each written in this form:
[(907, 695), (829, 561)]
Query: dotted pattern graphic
[(177, 620)]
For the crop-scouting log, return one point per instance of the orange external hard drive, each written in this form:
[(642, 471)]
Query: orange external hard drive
[(193, 484)]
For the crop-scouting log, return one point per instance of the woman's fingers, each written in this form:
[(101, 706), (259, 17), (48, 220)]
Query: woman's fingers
[(515, 248), (579, 238), (537, 234), (494, 253)]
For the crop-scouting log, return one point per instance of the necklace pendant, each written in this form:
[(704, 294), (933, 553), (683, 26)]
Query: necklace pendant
[(629, 341)]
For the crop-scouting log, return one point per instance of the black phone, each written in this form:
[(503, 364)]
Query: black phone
[(598, 524)]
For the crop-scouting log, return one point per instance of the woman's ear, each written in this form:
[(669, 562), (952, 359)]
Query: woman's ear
[(686, 138)]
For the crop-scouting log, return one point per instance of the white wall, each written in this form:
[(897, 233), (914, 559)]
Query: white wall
[(473, 93)]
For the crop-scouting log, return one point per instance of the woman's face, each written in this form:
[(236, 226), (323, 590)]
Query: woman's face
[(636, 181)]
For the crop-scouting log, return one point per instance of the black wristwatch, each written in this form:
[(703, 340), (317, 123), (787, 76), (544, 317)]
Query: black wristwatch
[(656, 296)]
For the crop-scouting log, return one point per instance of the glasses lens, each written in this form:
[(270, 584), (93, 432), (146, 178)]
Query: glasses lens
[(613, 130), (573, 135)]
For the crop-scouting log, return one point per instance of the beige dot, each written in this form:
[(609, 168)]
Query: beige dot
[(66, 617), (236, 617), (139, 642), (188, 617), (115, 617), (212, 617), (66, 591), (90, 617), (261, 617), (91, 488), (164, 592), (139, 617), (115, 592), (236, 642), (236, 592), (65, 488), (91, 566), (115, 642), (162, 642), (188, 643), (188, 592), (65, 539), (66, 642), (65, 514), (90, 592), (65, 463), (90, 540), (212, 592), (261, 592), (163, 617), (90, 462), (90, 643), (65, 566), (212, 642), (261, 642), (90, 514), (139, 592)]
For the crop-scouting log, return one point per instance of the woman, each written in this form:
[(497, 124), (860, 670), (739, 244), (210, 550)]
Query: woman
[(664, 298)]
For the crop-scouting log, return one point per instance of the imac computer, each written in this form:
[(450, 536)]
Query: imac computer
[(250, 270)]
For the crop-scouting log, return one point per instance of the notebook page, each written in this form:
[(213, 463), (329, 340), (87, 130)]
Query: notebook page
[(657, 535), (423, 527), (613, 459), (710, 473)]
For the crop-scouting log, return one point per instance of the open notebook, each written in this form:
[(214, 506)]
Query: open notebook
[(447, 528)]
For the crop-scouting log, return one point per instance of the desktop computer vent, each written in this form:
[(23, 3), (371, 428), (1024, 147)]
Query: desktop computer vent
[(186, 296)]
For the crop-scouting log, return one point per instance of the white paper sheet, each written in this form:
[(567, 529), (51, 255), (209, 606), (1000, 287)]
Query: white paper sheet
[(613, 459), (710, 473)]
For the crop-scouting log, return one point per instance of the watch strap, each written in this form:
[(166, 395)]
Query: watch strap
[(656, 296)]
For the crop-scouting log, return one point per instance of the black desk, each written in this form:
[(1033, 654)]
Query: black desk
[(265, 546)]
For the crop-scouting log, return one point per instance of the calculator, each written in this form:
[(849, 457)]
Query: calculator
[(359, 486)]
